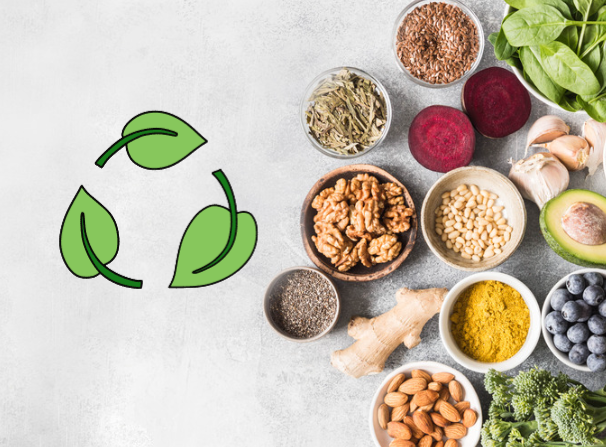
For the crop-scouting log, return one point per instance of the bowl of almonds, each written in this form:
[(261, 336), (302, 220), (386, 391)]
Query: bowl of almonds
[(473, 218), (426, 404)]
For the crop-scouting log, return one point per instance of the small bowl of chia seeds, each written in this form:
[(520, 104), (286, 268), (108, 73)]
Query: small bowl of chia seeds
[(301, 304)]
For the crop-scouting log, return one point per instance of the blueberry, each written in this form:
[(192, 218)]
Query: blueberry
[(555, 323), (596, 362), (559, 298), (578, 333), (594, 278), (571, 311), (594, 295), (575, 284), (586, 311), (562, 343), (597, 344), (597, 325), (602, 309), (578, 354)]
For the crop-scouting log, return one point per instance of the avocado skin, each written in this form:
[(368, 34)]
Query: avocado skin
[(557, 248)]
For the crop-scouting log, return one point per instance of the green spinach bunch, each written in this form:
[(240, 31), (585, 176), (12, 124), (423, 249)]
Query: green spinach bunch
[(560, 47)]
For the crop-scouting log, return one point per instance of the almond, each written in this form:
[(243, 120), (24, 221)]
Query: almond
[(438, 434), (427, 408), (449, 412), (422, 374), (383, 416), (451, 443), (395, 399), (423, 421), (401, 443), (444, 393), (469, 418), (437, 419), (455, 431), (462, 406), (413, 386), (436, 406), (425, 397), (395, 383), (413, 407), (443, 377), (399, 413), (399, 430), (439, 444), (434, 386), (425, 441), (408, 420), (456, 391)]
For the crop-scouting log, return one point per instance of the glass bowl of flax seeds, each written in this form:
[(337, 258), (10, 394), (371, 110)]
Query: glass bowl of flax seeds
[(438, 43), (302, 304)]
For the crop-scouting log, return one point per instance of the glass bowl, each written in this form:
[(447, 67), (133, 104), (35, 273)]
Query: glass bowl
[(467, 11), (305, 104)]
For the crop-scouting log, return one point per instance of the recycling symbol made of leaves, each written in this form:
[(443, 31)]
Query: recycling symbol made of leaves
[(89, 238)]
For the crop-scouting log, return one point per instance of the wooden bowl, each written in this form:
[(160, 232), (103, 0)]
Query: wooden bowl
[(483, 178), (358, 273)]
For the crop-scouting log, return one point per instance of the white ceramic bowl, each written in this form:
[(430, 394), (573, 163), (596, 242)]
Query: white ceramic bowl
[(380, 437), (533, 91), (547, 309), (267, 300), (532, 338), (484, 178)]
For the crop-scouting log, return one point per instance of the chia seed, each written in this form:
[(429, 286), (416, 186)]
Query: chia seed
[(304, 305)]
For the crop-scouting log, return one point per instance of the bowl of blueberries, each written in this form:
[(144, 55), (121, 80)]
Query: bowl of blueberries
[(574, 320)]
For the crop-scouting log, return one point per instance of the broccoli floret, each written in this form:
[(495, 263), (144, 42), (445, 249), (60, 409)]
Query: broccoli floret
[(522, 407), (500, 430), (547, 429), (577, 420), (486, 437), (539, 387), (498, 385)]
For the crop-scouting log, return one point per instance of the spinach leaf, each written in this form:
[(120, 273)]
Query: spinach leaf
[(570, 103), (588, 7), (502, 49), (566, 69), (595, 108), (560, 5), (534, 26), (540, 79), (569, 37), (593, 59)]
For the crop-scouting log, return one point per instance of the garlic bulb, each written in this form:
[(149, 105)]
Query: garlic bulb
[(540, 177), (546, 129), (595, 134), (571, 150)]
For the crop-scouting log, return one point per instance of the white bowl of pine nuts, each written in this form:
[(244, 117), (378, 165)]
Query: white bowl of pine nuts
[(473, 218), (387, 414)]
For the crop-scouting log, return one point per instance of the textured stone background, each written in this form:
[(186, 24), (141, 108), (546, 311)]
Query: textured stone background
[(87, 363)]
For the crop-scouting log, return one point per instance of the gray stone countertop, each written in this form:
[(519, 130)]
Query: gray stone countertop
[(86, 363)]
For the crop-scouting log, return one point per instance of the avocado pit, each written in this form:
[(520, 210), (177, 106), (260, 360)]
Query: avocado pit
[(585, 223)]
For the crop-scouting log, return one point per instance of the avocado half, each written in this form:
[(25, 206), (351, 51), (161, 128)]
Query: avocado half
[(558, 239)]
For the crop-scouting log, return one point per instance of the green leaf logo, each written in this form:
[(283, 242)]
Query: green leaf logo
[(155, 140), (217, 243), (89, 240)]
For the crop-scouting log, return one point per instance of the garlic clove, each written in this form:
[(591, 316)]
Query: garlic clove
[(595, 134), (546, 129), (571, 150), (540, 177)]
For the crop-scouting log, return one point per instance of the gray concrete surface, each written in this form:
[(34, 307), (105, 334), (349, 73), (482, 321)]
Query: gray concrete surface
[(86, 363)]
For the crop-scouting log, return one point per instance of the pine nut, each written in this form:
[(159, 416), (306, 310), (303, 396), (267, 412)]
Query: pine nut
[(465, 255), (474, 189)]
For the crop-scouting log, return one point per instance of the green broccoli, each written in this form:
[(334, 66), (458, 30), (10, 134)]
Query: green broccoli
[(580, 415), (547, 429), (500, 429)]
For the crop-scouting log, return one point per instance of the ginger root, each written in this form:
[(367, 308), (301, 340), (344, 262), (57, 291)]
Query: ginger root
[(378, 337)]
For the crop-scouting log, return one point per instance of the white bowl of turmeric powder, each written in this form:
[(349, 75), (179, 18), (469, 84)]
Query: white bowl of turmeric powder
[(490, 320)]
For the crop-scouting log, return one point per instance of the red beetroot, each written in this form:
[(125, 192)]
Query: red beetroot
[(496, 101), (441, 138)]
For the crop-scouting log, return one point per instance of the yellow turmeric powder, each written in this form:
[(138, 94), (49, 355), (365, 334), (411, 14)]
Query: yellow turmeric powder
[(490, 321)]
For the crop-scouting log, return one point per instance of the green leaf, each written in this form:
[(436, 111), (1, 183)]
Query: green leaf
[(570, 104), (588, 7), (569, 37), (593, 59), (89, 240), (560, 5), (534, 26), (566, 69), (595, 109), (155, 140), (102, 234), (540, 79), (216, 244), (502, 49)]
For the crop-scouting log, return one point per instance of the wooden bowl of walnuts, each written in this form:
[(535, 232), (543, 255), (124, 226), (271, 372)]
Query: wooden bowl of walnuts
[(358, 223)]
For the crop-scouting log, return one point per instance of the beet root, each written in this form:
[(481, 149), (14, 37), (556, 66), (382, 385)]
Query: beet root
[(441, 138), (496, 101)]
